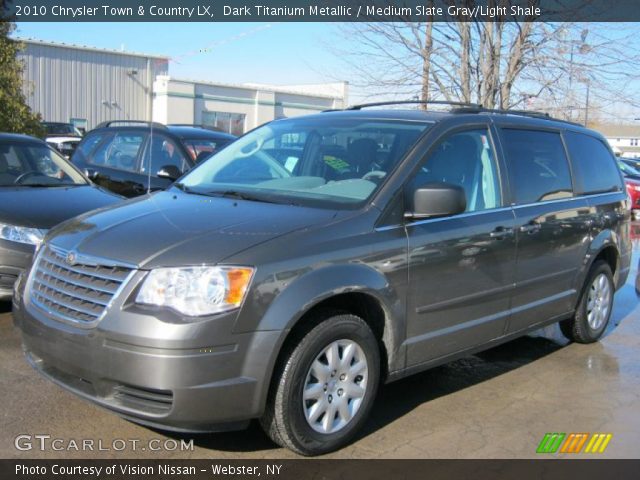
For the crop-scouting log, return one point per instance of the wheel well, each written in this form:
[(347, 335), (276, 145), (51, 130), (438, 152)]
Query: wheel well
[(362, 305), (610, 255)]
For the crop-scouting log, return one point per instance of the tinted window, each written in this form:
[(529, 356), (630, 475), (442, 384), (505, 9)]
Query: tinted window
[(593, 165), (164, 152), (33, 164), (119, 152), (89, 143), (464, 159), (539, 166), (201, 148)]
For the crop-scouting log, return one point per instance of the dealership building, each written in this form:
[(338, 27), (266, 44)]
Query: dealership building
[(86, 86)]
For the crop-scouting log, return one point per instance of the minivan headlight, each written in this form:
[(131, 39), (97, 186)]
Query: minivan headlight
[(14, 233), (196, 291)]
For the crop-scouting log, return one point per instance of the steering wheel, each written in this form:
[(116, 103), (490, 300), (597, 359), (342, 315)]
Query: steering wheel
[(374, 175), (20, 179)]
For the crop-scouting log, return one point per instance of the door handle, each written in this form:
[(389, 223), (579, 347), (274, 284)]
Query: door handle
[(530, 228), (501, 232)]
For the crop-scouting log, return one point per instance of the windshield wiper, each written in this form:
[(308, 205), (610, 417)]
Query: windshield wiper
[(241, 196), (183, 187)]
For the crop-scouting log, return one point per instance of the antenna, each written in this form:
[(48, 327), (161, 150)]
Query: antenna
[(150, 154)]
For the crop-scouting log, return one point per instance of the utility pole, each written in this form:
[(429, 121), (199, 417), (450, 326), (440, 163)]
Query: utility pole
[(586, 107)]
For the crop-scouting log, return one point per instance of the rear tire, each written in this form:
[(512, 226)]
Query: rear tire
[(325, 386), (594, 307)]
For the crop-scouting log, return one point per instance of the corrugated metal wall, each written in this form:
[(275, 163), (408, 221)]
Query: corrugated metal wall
[(65, 82)]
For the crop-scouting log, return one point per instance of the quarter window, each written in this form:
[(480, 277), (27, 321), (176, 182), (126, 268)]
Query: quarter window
[(540, 170), (164, 152), (465, 159), (593, 165)]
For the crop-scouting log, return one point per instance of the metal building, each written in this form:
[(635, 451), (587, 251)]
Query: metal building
[(86, 86)]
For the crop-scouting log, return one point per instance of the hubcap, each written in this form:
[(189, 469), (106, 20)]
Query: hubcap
[(335, 386), (598, 301)]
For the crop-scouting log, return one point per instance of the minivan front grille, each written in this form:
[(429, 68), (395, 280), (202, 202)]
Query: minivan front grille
[(75, 290)]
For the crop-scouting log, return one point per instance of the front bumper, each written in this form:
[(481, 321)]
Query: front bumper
[(196, 377), (14, 259)]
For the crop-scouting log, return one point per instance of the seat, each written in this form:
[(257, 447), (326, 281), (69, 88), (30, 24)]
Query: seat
[(361, 155)]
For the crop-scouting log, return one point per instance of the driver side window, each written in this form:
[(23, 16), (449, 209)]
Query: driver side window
[(465, 159)]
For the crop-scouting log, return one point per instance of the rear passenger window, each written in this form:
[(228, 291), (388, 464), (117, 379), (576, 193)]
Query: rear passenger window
[(593, 165), (120, 152), (539, 165)]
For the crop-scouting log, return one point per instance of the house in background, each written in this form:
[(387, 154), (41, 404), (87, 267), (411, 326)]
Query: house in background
[(623, 138)]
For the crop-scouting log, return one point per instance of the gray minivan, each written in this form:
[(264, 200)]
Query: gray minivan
[(317, 257)]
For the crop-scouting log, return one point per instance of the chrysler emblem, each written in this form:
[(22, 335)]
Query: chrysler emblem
[(71, 258)]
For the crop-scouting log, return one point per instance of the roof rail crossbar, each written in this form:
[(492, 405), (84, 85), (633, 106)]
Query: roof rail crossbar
[(197, 125), (414, 102), (111, 123), (521, 113)]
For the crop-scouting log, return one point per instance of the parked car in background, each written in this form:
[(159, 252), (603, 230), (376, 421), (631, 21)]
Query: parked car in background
[(64, 137), (38, 189), (632, 162), (132, 158), (395, 240), (633, 188)]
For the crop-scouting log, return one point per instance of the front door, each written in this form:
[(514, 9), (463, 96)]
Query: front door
[(461, 268)]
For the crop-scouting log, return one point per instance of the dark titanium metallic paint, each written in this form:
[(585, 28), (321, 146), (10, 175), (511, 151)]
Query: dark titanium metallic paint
[(446, 286)]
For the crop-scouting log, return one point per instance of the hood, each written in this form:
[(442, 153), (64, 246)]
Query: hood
[(177, 229), (48, 206)]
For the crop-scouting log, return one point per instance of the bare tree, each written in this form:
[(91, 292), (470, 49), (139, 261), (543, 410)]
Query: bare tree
[(497, 64)]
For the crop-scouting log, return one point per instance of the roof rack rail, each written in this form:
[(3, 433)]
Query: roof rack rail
[(197, 125), (413, 102), (521, 113), (138, 122)]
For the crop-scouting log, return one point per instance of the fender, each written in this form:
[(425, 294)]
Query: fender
[(313, 287), (605, 238)]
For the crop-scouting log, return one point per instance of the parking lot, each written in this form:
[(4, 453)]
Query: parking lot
[(498, 404)]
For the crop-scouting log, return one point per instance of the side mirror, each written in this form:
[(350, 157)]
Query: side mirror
[(169, 171), (437, 200)]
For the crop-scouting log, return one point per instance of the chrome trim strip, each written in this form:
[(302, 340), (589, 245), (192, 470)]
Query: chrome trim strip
[(30, 293), (78, 283), (80, 261), (78, 295), (65, 304), (514, 207)]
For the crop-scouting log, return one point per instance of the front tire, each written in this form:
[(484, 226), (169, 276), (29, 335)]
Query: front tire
[(594, 308), (325, 386)]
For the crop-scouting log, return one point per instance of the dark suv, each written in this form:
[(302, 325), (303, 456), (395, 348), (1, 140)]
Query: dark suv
[(288, 286), (131, 158)]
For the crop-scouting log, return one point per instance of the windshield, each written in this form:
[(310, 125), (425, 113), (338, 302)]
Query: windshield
[(322, 161), (30, 164)]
